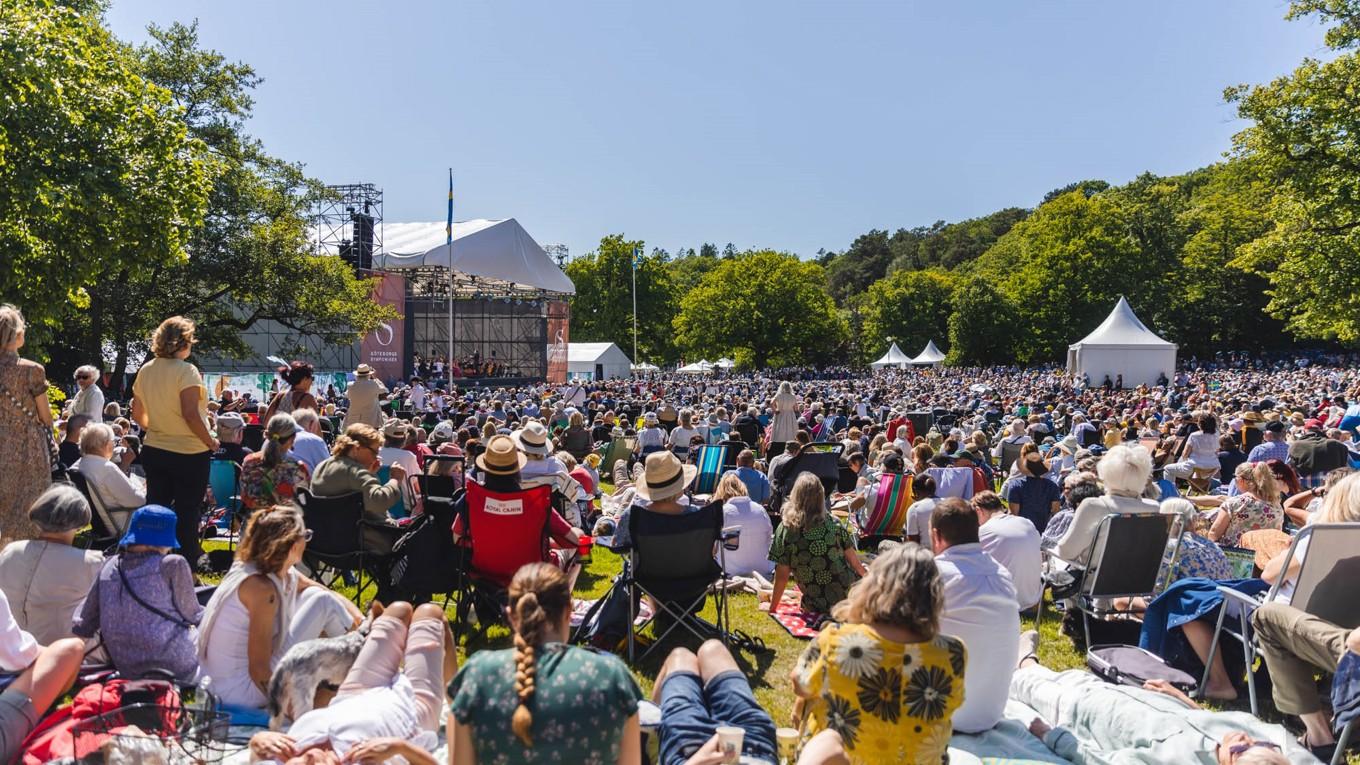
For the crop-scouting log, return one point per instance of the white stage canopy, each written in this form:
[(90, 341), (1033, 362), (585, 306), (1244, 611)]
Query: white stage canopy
[(500, 252), (893, 358), (929, 355), (1122, 345)]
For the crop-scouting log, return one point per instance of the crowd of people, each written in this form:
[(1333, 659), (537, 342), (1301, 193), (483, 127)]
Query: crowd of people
[(958, 497)]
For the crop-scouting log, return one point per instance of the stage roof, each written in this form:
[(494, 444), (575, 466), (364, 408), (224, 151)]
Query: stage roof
[(495, 252)]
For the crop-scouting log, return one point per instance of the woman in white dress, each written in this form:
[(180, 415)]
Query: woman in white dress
[(786, 408)]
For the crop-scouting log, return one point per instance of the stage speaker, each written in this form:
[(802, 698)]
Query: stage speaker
[(361, 247)]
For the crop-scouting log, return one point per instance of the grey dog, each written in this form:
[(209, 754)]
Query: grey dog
[(293, 686)]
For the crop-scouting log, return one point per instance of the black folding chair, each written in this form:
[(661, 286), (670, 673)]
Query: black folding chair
[(252, 437), (107, 524), (671, 560), (1124, 561), (337, 525)]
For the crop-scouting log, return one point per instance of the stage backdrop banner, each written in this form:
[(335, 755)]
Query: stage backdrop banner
[(559, 332), (382, 348)]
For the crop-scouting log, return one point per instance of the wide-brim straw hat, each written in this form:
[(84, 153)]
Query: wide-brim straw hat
[(363, 370), (664, 477), (501, 457), (533, 439)]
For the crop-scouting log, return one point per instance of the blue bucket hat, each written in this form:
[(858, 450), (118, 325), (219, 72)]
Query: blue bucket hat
[(152, 525)]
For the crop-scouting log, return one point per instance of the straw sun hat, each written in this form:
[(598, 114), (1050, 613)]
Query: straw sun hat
[(502, 457), (665, 477)]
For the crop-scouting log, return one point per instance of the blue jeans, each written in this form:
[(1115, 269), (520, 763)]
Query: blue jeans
[(691, 713)]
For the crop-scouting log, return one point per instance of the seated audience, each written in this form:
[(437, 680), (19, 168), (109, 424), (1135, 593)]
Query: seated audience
[(541, 468), (757, 485), (698, 693), (979, 609), (885, 677), (1256, 505), (1013, 542), (143, 603), (309, 446), (1125, 471), (1296, 646), (814, 548), (231, 428), (263, 607), (46, 579), (389, 703), (918, 515), (752, 553), (68, 451), (527, 704), (1031, 495), (273, 475), (109, 485), (45, 674), (1086, 719), (1078, 486), (353, 467)]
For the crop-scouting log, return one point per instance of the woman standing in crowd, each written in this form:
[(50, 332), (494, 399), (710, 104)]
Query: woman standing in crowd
[(272, 475), (170, 404), (263, 607), (785, 406), (298, 375), (815, 548), (883, 677), (524, 704), (25, 430)]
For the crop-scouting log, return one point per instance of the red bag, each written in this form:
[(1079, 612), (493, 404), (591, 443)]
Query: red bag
[(53, 738)]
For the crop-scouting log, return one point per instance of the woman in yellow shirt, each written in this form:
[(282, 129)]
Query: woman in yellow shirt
[(884, 679), (170, 404)]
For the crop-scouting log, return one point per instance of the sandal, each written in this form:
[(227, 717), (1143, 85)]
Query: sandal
[(1323, 752), (747, 642)]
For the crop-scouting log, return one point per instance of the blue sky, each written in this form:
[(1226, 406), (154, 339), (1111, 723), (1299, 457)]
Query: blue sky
[(791, 125)]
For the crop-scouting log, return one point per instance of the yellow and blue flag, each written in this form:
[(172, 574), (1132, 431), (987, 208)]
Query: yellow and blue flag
[(448, 229)]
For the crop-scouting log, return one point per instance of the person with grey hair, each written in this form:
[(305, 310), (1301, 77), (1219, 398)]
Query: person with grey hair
[(46, 579), (273, 475), (89, 399), (309, 447), (1125, 471), (230, 429), (25, 430), (109, 485)]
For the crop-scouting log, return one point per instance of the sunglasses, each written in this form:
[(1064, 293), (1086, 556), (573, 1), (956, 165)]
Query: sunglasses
[(307, 535), (1237, 749)]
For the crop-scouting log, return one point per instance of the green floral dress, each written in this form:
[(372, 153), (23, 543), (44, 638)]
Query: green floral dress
[(580, 704), (890, 702), (817, 559)]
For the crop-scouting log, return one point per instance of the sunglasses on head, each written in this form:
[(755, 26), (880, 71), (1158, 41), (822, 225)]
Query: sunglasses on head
[(306, 535), (1237, 749)]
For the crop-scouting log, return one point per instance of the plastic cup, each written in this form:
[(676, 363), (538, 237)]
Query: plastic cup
[(787, 741), (583, 546), (729, 741)]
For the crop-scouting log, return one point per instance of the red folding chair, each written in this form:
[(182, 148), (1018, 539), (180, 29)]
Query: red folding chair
[(505, 531)]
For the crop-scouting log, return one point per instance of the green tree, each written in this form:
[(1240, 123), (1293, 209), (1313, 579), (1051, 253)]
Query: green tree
[(602, 309), (911, 307), (864, 262), (1306, 138), (686, 272), (981, 326), (762, 308), (99, 176)]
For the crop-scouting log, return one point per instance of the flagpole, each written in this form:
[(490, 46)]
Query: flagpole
[(448, 362), (635, 265)]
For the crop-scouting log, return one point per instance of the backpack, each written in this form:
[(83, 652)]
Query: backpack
[(1131, 665), (55, 738)]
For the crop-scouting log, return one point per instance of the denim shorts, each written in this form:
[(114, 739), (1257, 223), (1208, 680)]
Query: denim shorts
[(691, 713), (17, 720)]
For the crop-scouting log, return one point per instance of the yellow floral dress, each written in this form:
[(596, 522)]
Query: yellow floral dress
[(890, 702)]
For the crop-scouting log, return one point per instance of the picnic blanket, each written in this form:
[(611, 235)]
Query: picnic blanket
[(795, 620)]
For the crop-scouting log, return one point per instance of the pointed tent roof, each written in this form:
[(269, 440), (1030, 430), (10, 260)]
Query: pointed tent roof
[(1123, 328), (894, 356), (499, 251), (929, 355)]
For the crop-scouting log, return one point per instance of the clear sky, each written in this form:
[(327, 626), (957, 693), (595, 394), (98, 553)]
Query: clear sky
[(784, 124)]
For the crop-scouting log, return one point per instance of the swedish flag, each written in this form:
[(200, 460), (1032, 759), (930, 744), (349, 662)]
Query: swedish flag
[(448, 228)]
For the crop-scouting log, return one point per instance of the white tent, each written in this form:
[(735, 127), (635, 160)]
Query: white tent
[(596, 361), (725, 363), (930, 356), (893, 358), (645, 367), (1122, 345), (499, 252), (696, 368)]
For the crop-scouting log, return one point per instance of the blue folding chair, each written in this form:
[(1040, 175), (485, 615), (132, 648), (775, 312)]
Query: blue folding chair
[(224, 477), (397, 510)]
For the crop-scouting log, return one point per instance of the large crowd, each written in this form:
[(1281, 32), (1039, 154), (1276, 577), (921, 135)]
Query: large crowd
[(911, 518)]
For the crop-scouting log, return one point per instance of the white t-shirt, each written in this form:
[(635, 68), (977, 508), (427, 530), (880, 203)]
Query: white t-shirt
[(417, 396), (918, 519), (980, 610), (1014, 543), (753, 551), (374, 713)]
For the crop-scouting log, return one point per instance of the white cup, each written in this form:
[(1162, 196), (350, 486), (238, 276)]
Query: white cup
[(729, 740)]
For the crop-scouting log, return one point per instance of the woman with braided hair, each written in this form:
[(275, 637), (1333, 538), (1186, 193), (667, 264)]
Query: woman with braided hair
[(512, 706)]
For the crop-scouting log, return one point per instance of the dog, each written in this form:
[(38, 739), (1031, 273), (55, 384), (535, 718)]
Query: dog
[(305, 667)]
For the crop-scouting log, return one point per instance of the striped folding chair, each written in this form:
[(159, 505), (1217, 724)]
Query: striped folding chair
[(888, 516), (710, 462)]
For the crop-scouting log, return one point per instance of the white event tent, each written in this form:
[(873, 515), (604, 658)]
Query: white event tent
[(929, 356), (496, 252), (696, 368), (893, 358), (1122, 345), (597, 361)]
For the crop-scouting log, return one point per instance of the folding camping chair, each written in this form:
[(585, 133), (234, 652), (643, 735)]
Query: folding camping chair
[(888, 516), (505, 531), (671, 561), (337, 525), (252, 437), (107, 525), (224, 478), (1010, 452), (1202, 480), (1325, 588), (618, 449), (711, 461), (1130, 567), (952, 481)]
